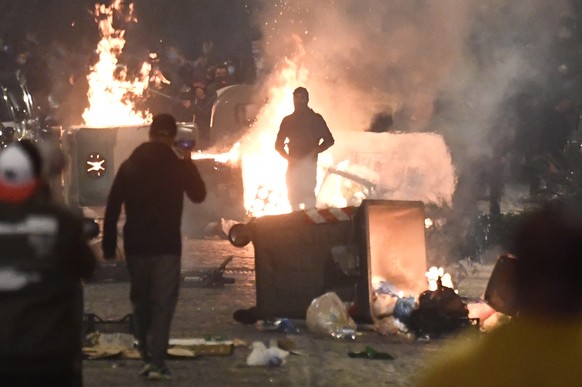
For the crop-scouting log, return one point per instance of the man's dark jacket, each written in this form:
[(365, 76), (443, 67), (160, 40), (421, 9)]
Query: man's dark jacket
[(150, 184), (304, 129), (43, 256)]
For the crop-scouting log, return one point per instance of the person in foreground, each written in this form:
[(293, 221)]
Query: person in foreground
[(542, 346), (150, 185), (302, 136), (43, 257)]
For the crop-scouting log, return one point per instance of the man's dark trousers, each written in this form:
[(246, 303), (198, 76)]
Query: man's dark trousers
[(155, 284)]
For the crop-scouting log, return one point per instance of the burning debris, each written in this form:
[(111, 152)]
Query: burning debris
[(112, 92), (437, 311)]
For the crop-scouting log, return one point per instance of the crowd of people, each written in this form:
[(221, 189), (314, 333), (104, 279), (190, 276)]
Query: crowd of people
[(57, 79), (190, 89)]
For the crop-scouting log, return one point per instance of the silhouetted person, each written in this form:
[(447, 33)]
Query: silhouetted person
[(198, 104), (150, 185), (302, 136)]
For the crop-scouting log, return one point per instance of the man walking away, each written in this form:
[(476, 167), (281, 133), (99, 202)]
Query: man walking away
[(150, 185)]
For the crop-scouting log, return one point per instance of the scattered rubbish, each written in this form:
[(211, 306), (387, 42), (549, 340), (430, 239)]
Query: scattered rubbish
[(384, 287), (404, 307), (439, 312), (263, 356), (211, 345), (370, 353), (392, 326), (213, 278), (283, 325), (267, 325), (347, 259), (122, 340), (383, 304), (286, 326), (494, 321), (480, 310), (181, 352), (286, 344), (99, 345), (239, 343), (215, 337), (99, 352), (120, 345), (328, 315)]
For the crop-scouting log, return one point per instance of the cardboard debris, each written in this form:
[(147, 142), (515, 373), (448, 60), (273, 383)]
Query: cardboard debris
[(108, 345)]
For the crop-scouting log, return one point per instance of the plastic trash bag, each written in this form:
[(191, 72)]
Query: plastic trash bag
[(404, 308), (327, 315), (263, 356)]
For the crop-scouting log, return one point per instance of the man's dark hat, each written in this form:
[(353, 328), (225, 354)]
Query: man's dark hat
[(301, 90), (164, 125)]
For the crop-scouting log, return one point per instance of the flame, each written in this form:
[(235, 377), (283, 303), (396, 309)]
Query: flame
[(428, 223), (432, 276), (263, 169), (232, 156), (111, 93)]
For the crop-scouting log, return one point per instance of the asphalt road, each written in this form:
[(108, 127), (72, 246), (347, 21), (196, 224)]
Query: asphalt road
[(323, 361)]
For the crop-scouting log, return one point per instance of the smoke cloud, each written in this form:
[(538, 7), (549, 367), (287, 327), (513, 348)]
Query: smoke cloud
[(449, 66), (453, 67)]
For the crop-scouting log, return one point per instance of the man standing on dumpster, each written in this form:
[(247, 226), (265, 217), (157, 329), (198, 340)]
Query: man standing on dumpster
[(302, 136), (151, 184)]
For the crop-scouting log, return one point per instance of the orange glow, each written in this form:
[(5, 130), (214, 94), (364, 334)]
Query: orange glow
[(262, 167), (111, 93), (230, 157), (434, 273)]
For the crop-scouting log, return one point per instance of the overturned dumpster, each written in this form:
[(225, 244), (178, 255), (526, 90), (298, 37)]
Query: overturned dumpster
[(301, 255)]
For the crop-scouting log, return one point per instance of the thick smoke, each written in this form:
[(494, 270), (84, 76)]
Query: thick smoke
[(406, 56), (369, 56), (450, 66), (454, 67)]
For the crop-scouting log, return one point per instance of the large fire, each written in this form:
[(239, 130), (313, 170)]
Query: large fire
[(111, 92)]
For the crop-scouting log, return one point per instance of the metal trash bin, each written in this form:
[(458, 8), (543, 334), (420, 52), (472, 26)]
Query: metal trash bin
[(302, 255)]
